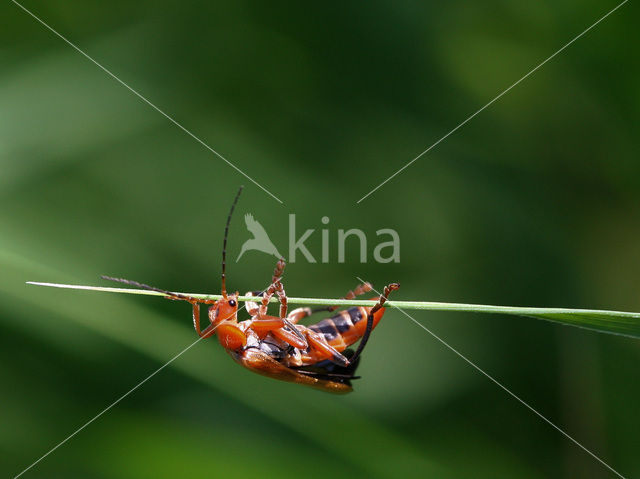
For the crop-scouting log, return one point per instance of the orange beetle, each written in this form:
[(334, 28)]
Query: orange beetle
[(278, 347)]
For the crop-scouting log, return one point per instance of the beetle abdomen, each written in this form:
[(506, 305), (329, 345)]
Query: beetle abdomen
[(346, 327)]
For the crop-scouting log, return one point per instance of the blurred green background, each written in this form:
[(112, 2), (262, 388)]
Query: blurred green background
[(534, 202)]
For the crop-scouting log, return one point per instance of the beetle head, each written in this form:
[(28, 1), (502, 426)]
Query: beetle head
[(225, 309)]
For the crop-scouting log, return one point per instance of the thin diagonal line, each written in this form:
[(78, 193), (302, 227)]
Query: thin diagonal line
[(139, 95), (112, 404), (490, 103), (125, 395), (478, 368)]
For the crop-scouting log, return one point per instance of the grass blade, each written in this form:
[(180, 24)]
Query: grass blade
[(611, 322)]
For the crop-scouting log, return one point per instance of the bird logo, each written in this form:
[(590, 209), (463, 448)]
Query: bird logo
[(260, 240)]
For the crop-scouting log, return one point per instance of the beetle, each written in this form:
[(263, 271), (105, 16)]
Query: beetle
[(278, 347)]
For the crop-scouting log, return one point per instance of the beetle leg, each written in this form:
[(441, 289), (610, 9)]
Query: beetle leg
[(278, 271), (278, 289), (266, 297), (367, 332), (301, 313), (360, 289), (319, 344), (298, 314), (276, 280), (266, 324), (251, 306), (295, 339), (196, 318), (206, 332), (276, 286), (276, 326), (282, 297)]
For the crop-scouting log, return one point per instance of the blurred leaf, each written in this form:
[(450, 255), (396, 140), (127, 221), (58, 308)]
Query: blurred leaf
[(116, 323)]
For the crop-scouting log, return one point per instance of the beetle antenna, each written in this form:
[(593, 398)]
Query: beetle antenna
[(147, 287), (224, 244)]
